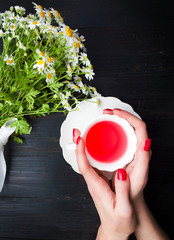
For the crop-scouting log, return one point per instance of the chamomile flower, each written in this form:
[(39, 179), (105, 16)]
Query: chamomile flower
[(39, 11), (69, 70), (40, 65), (8, 15), (57, 16), (30, 16), (48, 29), (34, 24), (72, 86), (40, 53), (48, 16), (83, 57), (54, 52), (9, 60), (79, 83), (93, 92), (20, 10), (64, 101), (89, 73), (49, 61), (50, 76), (73, 60), (12, 27)]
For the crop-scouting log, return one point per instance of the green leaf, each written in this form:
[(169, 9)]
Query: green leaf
[(22, 127), (45, 108), (30, 98), (17, 139), (20, 109), (1, 106)]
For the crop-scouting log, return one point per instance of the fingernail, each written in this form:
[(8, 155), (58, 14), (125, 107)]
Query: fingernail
[(108, 109), (78, 140), (74, 132), (122, 174), (118, 109), (147, 144)]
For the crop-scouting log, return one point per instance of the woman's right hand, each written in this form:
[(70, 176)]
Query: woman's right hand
[(138, 169)]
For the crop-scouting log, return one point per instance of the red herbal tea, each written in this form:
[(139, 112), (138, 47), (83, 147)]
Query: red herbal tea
[(106, 141)]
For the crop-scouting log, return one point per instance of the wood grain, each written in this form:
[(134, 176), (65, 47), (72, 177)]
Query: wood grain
[(130, 44)]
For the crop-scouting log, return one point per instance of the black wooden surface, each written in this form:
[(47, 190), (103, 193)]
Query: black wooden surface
[(130, 44)]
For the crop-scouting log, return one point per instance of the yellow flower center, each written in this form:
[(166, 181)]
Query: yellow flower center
[(49, 59), (76, 87), (49, 76), (40, 62), (75, 44), (35, 23), (42, 54), (69, 31), (39, 6), (42, 14), (53, 69), (49, 13), (60, 32), (91, 66), (12, 26), (57, 14), (9, 61)]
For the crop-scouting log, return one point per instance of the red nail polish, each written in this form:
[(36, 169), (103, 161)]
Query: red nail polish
[(122, 174), (108, 109), (147, 144), (78, 140), (74, 132), (118, 109)]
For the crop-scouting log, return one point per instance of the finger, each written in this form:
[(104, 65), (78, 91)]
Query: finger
[(142, 159), (113, 181), (138, 125), (108, 111), (123, 205), (76, 133), (97, 186)]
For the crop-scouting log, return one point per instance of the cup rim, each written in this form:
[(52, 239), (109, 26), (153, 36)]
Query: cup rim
[(131, 146)]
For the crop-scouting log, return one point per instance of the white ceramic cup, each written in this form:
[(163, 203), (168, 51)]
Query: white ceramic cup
[(128, 154)]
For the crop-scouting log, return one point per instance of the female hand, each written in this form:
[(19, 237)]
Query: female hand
[(113, 203), (115, 210), (138, 168)]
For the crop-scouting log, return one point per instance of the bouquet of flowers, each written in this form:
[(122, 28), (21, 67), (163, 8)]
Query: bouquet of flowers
[(41, 67)]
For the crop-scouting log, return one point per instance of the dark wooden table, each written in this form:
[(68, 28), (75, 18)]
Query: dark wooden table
[(131, 46)]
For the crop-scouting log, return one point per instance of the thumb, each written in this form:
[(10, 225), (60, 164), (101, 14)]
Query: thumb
[(122, 187)]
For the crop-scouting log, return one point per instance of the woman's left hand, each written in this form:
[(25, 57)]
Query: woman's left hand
[(114, 207)]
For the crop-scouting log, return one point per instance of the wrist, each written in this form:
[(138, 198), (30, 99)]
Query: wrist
[(108, 234), (139, 203)]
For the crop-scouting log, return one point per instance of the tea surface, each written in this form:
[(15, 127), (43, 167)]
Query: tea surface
[(106, 141)]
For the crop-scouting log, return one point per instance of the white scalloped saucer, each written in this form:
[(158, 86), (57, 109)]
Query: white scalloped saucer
[(87, 111)]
